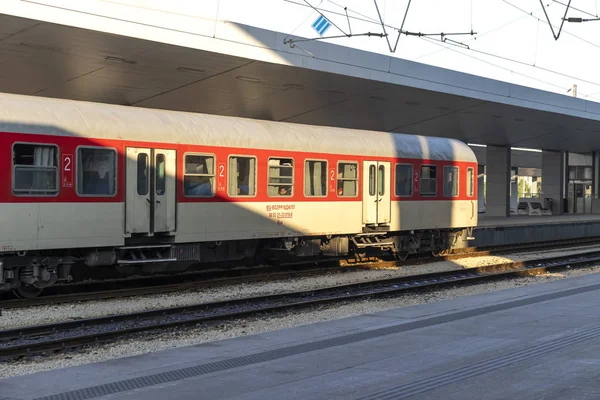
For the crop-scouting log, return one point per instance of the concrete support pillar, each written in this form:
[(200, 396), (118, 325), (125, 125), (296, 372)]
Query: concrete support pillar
[(553, 169), (595, 173), (514, 188), (498, 174), (481, 187)]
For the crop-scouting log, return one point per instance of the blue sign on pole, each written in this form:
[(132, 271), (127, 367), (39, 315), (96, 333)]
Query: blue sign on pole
[(321, 25)]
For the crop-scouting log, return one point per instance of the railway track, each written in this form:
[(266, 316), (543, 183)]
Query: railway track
[(35, 340), (101, 290)]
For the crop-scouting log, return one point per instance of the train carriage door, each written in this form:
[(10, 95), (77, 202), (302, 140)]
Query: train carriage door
[(150, 185), (138, 200), (384, 199), (164, 199), (376, 193)]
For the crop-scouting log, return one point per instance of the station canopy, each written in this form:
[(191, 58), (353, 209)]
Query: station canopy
[(230, 69)]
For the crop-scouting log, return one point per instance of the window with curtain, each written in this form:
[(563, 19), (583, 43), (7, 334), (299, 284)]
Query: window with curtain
[(404, 179), (242, 176), (428, 180), (199, 175), (347, 179), (315, 178), (281, 177), (96, 171), (35, 169)]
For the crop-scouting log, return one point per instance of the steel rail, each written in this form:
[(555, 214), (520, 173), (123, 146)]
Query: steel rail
[(103, 290), (25, 341)]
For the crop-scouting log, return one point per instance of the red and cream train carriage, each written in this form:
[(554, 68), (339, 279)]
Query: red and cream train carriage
[(86, 184)]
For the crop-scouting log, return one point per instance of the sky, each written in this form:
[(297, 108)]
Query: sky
[(513, 41)]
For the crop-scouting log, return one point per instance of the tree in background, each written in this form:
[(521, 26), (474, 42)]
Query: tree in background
[(523, 187)]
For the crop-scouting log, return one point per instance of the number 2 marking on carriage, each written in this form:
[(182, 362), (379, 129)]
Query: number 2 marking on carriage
[(221, 187), (332, 180), (67, 174)]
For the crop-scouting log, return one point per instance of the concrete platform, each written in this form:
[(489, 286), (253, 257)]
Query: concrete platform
[(493, 231), (535, 342), (485, 221)]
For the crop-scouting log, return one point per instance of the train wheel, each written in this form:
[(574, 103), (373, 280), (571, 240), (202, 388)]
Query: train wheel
[(27, 292)]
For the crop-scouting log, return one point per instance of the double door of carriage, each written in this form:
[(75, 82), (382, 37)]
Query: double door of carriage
[(151, 200), (376, 185)]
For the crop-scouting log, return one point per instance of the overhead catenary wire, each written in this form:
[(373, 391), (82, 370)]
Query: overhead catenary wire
[(479, 35), (293, 42), (537, 37), (380, 23), (322, 15), (441, 44), (547, 23), (525, 63), (367, 19), (535, 66), (354, 12), (471, 14), (302, 23), (577, 9)]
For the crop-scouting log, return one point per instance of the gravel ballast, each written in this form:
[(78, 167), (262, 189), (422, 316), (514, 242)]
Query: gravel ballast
[(161, 340), (38, 315)]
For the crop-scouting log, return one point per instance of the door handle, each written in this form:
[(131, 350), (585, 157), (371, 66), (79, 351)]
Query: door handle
[(158, 201), (148, 200)]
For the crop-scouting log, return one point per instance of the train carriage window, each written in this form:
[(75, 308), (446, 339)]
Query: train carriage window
[(315, 178), (96, 171), (404, 179), (199, 175), (161, 177), (381, 180), (242, 176), (35, 169), (347, 179), (142, 174), (371, 180), (450, 181), (281, 177), (428, 180), (470, 181)]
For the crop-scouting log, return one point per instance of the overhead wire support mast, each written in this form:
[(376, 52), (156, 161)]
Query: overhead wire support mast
[(399, 31), (556, 36)]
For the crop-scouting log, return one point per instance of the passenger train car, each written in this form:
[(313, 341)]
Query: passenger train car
[(86, 185)]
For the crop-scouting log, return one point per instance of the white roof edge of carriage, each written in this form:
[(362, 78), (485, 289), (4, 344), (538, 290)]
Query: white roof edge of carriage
[(48, 116), (257, 44)]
